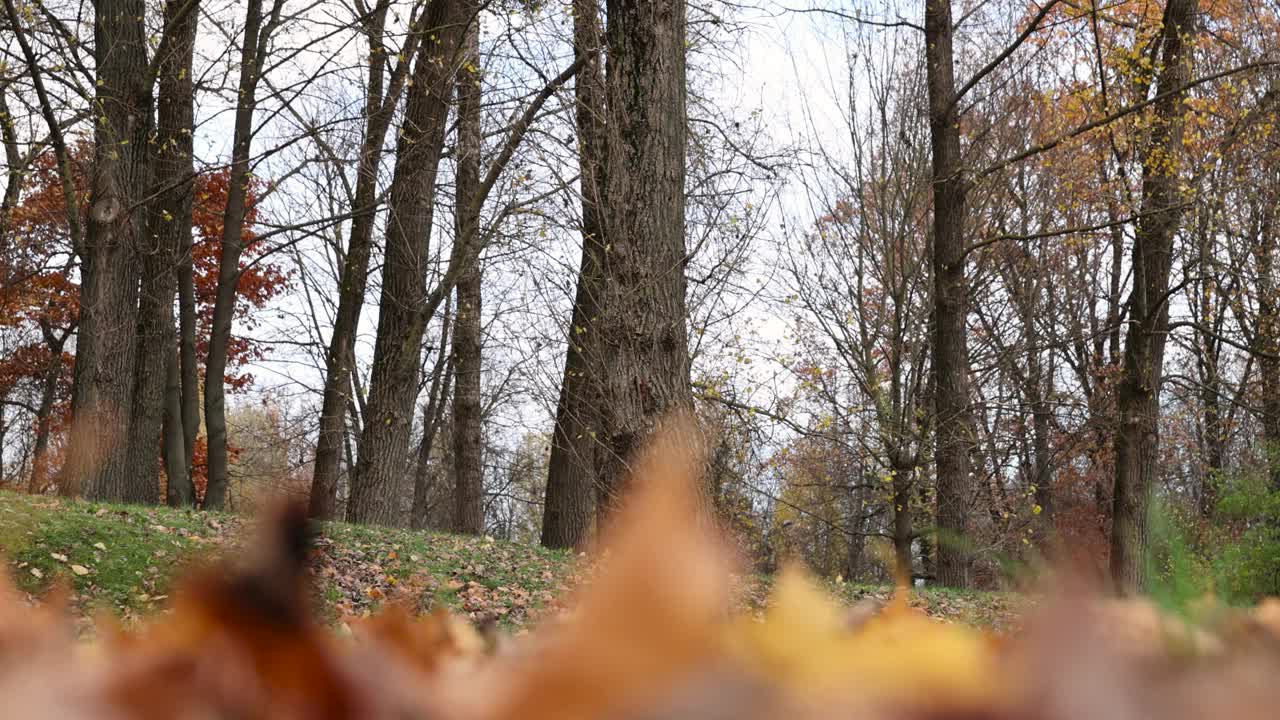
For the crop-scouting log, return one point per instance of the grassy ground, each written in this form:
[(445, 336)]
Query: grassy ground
[(122, 559)]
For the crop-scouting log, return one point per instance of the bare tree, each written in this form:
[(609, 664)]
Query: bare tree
[(570, 498), (468, 440), (98, 452), (1138, 398), (402, 318), (956, 432), (642, 368), (258, 29), (170, 236), (380, 107)]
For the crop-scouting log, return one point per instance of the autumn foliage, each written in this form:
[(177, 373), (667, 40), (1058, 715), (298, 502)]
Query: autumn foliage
[(40, 295), (650, 637)]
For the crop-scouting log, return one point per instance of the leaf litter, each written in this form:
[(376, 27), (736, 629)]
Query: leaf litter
[(656, 632)]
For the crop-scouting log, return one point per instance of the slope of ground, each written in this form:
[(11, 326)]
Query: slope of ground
[(121, 559)]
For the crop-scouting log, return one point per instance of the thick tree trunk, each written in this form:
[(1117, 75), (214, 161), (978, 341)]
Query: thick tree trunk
[(1138, 394), (468, 467), (379, 111), (642, 368), (98, 449), (570, 498), (955, 433), (215, 412), (155, 336), (169, 230), (384, 441)]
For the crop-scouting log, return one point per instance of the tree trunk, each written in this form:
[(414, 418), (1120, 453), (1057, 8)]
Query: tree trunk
[(44, 412), (1214, 440), (903, 530), (98, 450), (1041, 424), (402, 316), (1039, 382), (642, 368), (468, 468), (188, 364), (14, 171), (339, 361), (1138, 394), (1270, 371), (1267, 338), (953, 417), (169, 230), (179, 489), (432, 417), (215, 417), (570, 498)]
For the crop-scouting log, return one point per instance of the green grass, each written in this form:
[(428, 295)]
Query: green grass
[(122, 559), (115, 556)]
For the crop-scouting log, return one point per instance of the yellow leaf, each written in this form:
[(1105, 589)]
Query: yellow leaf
[(899, 656)]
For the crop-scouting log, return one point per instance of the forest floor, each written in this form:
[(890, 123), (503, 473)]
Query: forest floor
[(121, 559)]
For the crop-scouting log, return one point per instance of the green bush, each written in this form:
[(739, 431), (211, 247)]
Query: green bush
[(1245, 549), (1177, 574)]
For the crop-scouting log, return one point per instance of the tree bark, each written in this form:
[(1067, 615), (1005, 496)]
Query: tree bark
[(903, 528), (570, 496), (339, 362), (1041, 424), (1267, 338), (252, 56), (98, 450), (44, 412), (1138, 394), (432, 417), (188, 364), (168, 232), (14, 172), (955, 432), (402, 317), (179, 489), (1039, 384), (642, 368), (468, 468)]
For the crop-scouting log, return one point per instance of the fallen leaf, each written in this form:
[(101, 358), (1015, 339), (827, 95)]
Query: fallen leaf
[(79, 569)]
